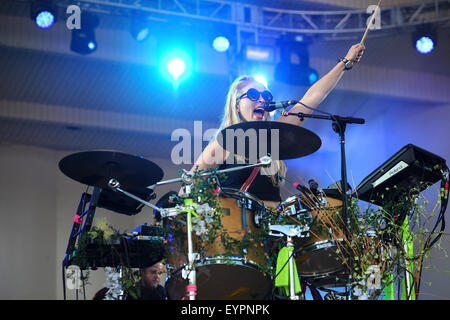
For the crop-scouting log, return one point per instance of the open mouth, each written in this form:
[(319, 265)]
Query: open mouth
[(259, 112)]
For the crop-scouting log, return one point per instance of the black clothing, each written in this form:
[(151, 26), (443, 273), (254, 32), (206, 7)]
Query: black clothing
[(158, 293), (261, 187)]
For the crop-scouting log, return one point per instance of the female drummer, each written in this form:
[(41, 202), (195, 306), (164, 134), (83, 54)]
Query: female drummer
[(245, 102)]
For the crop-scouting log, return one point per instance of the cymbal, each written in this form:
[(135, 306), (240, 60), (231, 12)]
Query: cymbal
[(96, 168), (282, 140)]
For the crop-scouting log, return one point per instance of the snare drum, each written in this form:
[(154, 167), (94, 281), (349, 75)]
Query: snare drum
[(295, 207), (222, 274)]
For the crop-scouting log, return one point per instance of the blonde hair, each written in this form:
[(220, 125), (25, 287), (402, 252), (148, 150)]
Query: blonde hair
[(231, 117)]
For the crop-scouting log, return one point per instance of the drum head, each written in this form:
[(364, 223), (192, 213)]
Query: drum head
[(319, 259), (219, 280)]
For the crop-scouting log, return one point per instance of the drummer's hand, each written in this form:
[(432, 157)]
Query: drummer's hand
[(355, 52)]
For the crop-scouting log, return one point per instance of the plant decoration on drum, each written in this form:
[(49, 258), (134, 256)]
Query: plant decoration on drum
[(387, 245), (105, 246), (206, 220), (214, 224)]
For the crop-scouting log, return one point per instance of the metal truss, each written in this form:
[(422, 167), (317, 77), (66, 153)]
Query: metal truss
[(271, 22)]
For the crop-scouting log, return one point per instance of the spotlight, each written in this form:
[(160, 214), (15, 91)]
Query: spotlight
[(83, 40), (261, 79), (424, 39), (176, 67), (221, 44), (176, 53), (220, 36), (424, 45), (43, 13), (45, 19), (313, 76), (139, 29)]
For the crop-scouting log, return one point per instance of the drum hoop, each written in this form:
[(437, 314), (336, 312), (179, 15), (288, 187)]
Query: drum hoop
[(241, 194), (339, 272), (318, 245), (232, 260)]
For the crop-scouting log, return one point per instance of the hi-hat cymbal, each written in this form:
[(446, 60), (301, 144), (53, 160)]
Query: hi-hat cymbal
[(282, 140), (96, 168)]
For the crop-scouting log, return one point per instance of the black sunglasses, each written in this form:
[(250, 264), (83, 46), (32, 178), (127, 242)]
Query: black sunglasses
[(254, 95)]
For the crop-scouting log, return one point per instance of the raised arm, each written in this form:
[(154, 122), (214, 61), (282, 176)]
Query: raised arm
[(320, 90)]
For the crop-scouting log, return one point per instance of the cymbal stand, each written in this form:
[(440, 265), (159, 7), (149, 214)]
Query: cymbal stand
[(290, 231), (190, 271)]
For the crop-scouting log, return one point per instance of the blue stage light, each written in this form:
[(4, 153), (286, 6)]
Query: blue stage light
[(261, 79), (92, 45), (45, 19), (313, 76), (83, 40), (143, 34), (140, 29), (221, 44), (176, 67), (424, 45)]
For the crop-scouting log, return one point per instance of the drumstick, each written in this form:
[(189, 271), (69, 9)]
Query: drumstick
[(370, 23)]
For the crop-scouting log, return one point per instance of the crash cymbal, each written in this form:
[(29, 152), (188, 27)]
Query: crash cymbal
[(96, 168), (282, 140)]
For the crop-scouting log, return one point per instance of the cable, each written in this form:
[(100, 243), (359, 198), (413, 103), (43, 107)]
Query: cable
[(441, 218), (64, 280)]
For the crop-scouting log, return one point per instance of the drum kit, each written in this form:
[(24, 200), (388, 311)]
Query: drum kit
[(218, 272)]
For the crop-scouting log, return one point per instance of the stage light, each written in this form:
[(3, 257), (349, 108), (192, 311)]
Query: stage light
[(139, 29), (424, 45), (175, 53), (176, 67), (313, 76), (83, 40), (424, 39), (221, 44), (261, 79), (45, 19), (43, 13), (92, 45)]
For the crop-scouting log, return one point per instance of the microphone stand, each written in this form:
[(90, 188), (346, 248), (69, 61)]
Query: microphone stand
[(339, 125)]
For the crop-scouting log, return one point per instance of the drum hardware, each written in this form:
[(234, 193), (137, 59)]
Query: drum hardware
[(290, 231)]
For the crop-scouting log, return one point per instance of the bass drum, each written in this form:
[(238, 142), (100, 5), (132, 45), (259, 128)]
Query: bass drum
[(224, 275)]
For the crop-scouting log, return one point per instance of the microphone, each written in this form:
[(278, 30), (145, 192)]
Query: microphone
[(314, 186), (269, 107)]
